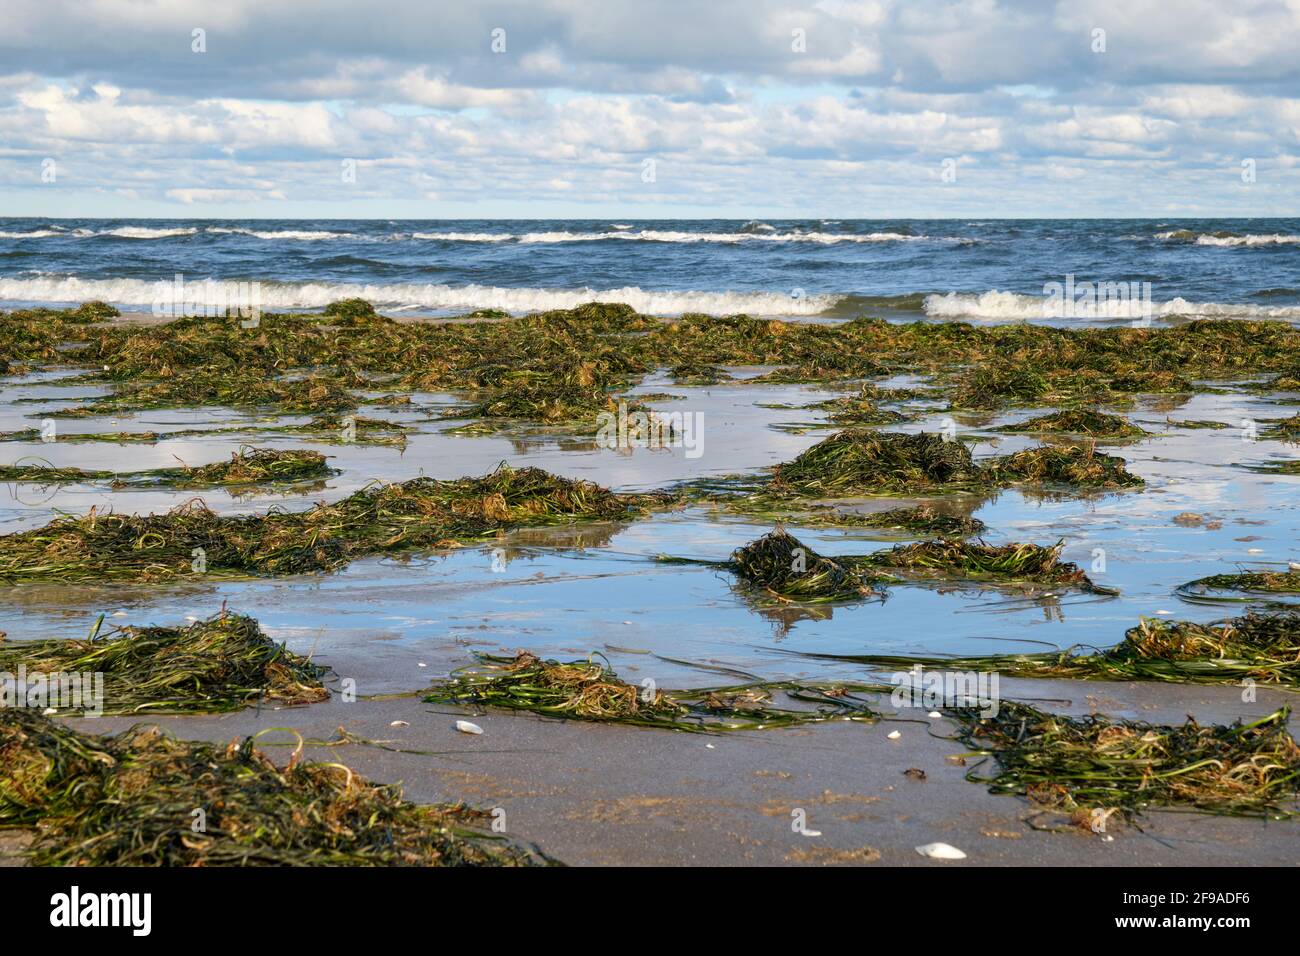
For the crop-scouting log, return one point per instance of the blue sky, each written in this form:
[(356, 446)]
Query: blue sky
[(736, 108)]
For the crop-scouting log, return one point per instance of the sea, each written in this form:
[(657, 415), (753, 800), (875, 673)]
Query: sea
[(986, 270)]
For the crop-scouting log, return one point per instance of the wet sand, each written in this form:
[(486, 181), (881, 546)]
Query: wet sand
[(607, 795)]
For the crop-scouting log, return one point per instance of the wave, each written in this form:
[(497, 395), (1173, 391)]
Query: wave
[(143, 232), (1227, 238), (751, 232), (667, 235), (1015, 305), (306, 235), (431, 297)]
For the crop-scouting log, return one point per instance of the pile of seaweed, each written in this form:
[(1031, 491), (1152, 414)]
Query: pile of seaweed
[(1077, 765), (1246, 582), (212, 666), (591, 690), (1260, 647), (785, 569), (246, 466), (379, 519), (130, 800), (1004, 564), (850, 462), (1075, 465), (779, 568), (863, 462), (1078, 421)]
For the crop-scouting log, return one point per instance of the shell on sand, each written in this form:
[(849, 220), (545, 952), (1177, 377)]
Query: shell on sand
[(465, 727), (941, 851)]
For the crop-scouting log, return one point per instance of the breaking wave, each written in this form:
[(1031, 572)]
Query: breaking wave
[(431, 297)]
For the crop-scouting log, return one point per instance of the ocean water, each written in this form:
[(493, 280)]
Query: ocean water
[(986, 270)]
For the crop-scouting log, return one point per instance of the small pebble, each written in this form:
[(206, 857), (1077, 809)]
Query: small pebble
[(399, 723), (934, 714), (811, 832), (50, 710), (941, 851), (894, 735), (465, 727), (710, 746)]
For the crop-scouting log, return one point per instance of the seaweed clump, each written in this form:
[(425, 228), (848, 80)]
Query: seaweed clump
[(1074, 465), (591, 690), (854, 462), (783, 568), (1078, 765), (1078, 421), (212, 666), (1262, 647), (129, 800), (379, 519), (1028, 563), (1249, 582), (246, 466)]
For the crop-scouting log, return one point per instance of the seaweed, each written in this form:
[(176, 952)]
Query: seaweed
[(785, 569), (246, 466), (857, 462), (213, 666), (591, 690), (1260, 647), (1078, 421), (1006, 564), (1078, 765), (1074, 465), (379, 519), (131, 800)]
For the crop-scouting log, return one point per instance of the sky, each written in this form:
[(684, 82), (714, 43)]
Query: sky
[(637, 109)]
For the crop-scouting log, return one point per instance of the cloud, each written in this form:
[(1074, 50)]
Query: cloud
[(803, 104)]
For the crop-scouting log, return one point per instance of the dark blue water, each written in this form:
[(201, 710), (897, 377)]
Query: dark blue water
[(981, 269)]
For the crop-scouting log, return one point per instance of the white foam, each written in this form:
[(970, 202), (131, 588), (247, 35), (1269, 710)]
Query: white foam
[(1211, 239), (286, 295), (305, 235), (34, 234), (142, 232), (1014, 305), (1273, 240)]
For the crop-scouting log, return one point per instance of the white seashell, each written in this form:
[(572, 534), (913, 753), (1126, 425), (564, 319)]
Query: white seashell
[(399, 723), (893, 735), (811, 832), (421, 665), (710, 746), (465, 727), (1164, 612), (934, 713), (1254, 550), (50, 710), (941, 851), (119, 614)]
